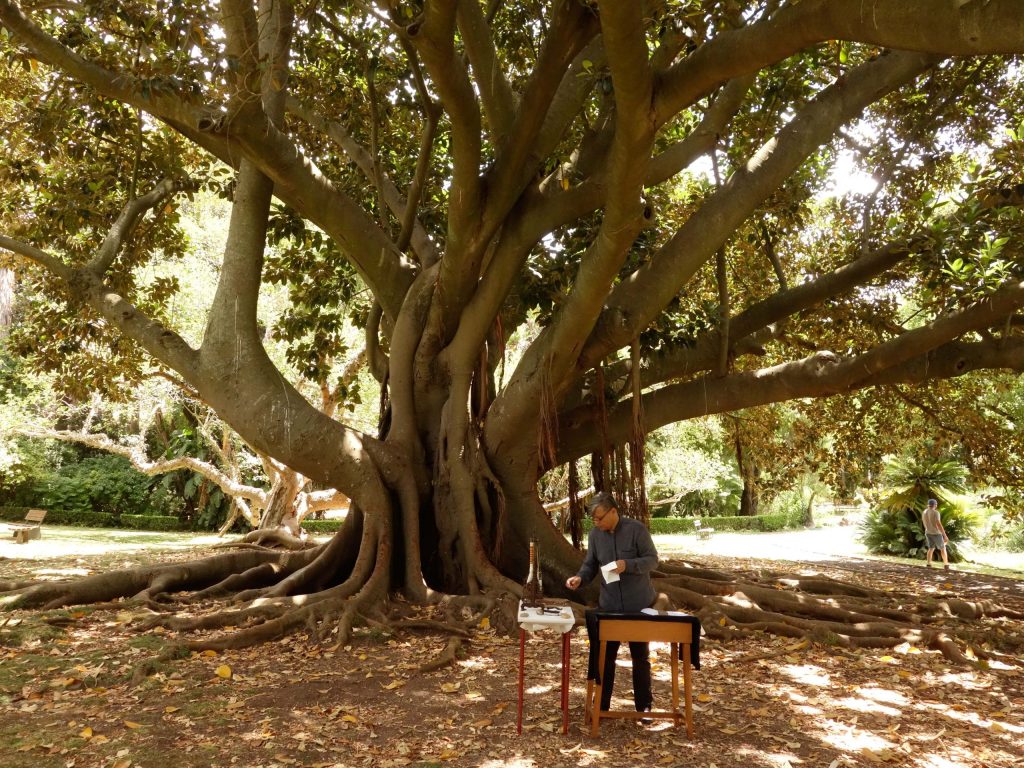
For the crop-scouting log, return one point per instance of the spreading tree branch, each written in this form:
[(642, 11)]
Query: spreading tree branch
[(137, 456), (298, 182), (400, 206), (922, 354), (496, 96), (433, 36), (52, 264), (936, 27), (635, 302), (126, 223)]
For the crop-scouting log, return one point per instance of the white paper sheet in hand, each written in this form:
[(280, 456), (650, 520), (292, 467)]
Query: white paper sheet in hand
[(608, 571)]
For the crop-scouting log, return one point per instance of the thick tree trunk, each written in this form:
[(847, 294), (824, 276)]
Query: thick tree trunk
[(281, 501), (750, 498), (808, 518), (749, 473)]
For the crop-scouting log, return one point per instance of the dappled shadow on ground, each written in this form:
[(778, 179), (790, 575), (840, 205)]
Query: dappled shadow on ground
[(66, 698)]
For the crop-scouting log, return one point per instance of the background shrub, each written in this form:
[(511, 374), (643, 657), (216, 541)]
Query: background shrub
[(1014, 540), (672, 525), (895, 527), (151, 522), (322, 526), (900, 532), (103, 483), (13, 514), (81, 518)]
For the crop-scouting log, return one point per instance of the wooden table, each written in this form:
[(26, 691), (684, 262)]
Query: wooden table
[(534, 620), (681, 631)]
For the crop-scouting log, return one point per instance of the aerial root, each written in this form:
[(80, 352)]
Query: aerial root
[(467, 609), (941, 642), (693, 569), (139, 585), (965, 609)]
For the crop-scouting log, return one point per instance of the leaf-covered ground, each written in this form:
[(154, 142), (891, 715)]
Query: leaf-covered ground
[(67, 696)]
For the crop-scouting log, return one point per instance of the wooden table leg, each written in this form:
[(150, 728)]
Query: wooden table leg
[(675, 683), (522, 659), (595, 710), (565, 682), (589, 702), (688, 691)]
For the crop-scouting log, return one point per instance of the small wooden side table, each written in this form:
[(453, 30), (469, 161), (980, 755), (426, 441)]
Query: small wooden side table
[(556, 616), (680, 631)]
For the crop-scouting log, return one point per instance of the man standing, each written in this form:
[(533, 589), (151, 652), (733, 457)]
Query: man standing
[(935, 533), (628, 544)]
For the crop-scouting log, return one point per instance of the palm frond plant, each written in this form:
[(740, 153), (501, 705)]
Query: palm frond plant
[(894, 526)]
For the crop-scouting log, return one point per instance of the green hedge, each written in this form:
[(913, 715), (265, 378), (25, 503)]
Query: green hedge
[(322, 526), (761, 523), (663, 525), (151, 522), (63, 517), (81, 518), (14, 514)]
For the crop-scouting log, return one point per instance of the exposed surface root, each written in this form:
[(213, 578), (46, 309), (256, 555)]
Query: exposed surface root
[(13, 586), (328, 591), (140, 583), (433, 626), (273, 537), (446, 657), (833, 612), (219, 620)]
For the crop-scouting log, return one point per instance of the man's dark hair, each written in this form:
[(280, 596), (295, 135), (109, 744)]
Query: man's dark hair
[(601, 500)]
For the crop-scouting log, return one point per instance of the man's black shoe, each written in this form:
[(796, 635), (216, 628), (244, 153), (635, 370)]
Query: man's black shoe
[(646, 720)]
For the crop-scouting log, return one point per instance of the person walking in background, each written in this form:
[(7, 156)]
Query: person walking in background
[(628, 545), (934, 533)]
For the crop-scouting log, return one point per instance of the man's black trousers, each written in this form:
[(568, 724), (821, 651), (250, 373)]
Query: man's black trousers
[(640, 653)]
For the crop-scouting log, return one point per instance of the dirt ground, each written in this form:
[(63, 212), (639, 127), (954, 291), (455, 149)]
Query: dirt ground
[(67, 696)]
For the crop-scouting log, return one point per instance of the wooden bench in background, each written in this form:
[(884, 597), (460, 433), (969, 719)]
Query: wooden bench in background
[(703, 532), (31, 528)]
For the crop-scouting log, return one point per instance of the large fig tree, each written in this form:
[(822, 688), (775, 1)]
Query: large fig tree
[(640, 190)]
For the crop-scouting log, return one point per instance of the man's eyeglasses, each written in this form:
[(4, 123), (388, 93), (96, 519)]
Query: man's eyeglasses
[(597, 518)]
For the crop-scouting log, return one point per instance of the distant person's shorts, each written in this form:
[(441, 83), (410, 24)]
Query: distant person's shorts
[(935, 541)]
